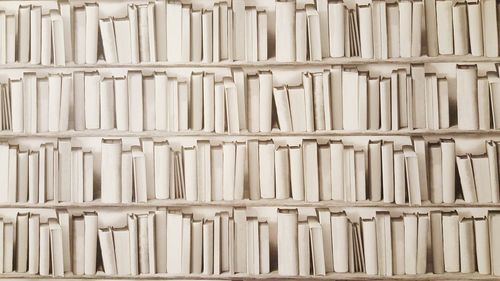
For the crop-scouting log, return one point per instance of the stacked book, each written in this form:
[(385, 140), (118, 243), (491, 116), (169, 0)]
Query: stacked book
[(172, 31), (309, 171), (387, 245), (160, 241), (333, 99)]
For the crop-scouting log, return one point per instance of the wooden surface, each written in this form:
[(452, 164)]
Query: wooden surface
[(266, 64)]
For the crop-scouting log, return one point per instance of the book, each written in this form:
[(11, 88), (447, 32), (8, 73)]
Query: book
[(311, 170), (445, 34), (482, 248), (460, 29), (91, 31), (90, 242), (467, 97), (288, 258), (285, 31), (490, 42)]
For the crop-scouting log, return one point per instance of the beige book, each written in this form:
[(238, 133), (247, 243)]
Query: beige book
[(482, 245), (311, 170), (134, 33), (288, 256), (460, 29), (467, 247), (370, 245), (444, 26), (467, 97), (475, 21), (465, 171), (366, 30), (91, 31), (451, 240), (285, 33), (490, 29)]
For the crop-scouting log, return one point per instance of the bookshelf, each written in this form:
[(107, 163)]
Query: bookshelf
[(139, 186), (271, 63)]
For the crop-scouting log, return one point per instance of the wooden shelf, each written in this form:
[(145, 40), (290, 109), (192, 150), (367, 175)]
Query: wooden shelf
[(454, 131), (274, 203), (270, 276), (263, 64)]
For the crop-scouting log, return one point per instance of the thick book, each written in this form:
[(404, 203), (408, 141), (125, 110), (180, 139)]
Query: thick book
[(288, 256), (285, 30)]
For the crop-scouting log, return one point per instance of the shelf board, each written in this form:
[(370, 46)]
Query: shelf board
[(274, 203), (454, 131), (264, 64), (270, 276)]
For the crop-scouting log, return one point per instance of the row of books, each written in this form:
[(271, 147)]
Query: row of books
[(339, 98), (158, 241), (231, 242), (385, 245), (257, 169), (171, 31)]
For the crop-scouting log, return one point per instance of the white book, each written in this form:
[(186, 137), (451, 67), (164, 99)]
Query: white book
[(107, 102), (262, 36), (46, 40), (216, 155), (33, 243), (121, 103), (4, 174), (410, 222), (144, 40), (208, 247), (197, 247), (307, 81), (143, 243), (127, 177), (8, 249), (111, 170), (92, 100), (79, 34), (467, 247), (3, 44), (363, 101), (134, 33), (135, 101), (67, 16), (160, 24), (282, 108), (162, 155), (55, 87), (301, 35), (370, 245), (405, 28), (12, 168), (174, 242), (297, 108), (41, 173), (121, 239), (76, 175), (133, 243), (265, 98), (296, 172), (253, 103), (288, 258), (491, 151), (64, 172), (151, 225), (311, 178), (490, 16), (44, 249), (88, 176), (282, 170), (91, 31), (186, 33), (393, 29), (366, 30), (285, 33), (239, 77), (437, 241), (196, 101), (337, 169), (379, 19), (324, 162), (475, 21), (451, 242), (416, 28), (239, 174), (65, 105), (336, 97), (480, 168), (313, 33), (444, 26), (233, 123), (374, 103), (107, 250), (448, 157), (23, 29), (30, 102), (35, 30), (251, 33), (267, 173), (467, 97), (460, 29), (22, 168), (174, 32), (149, 93), (420, 105), (336, 28), (190, 174), (399, 178), (152, 31), (207, 31), (196, 36), (350, 99), (304, 251), (253, 170), (56, 248), (431, 27), (208, 102), (483, 247), (90, 242), (317, 247), (203, 172), (109, 45)]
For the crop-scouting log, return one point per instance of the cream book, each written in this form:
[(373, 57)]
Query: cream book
[(285, 30)]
